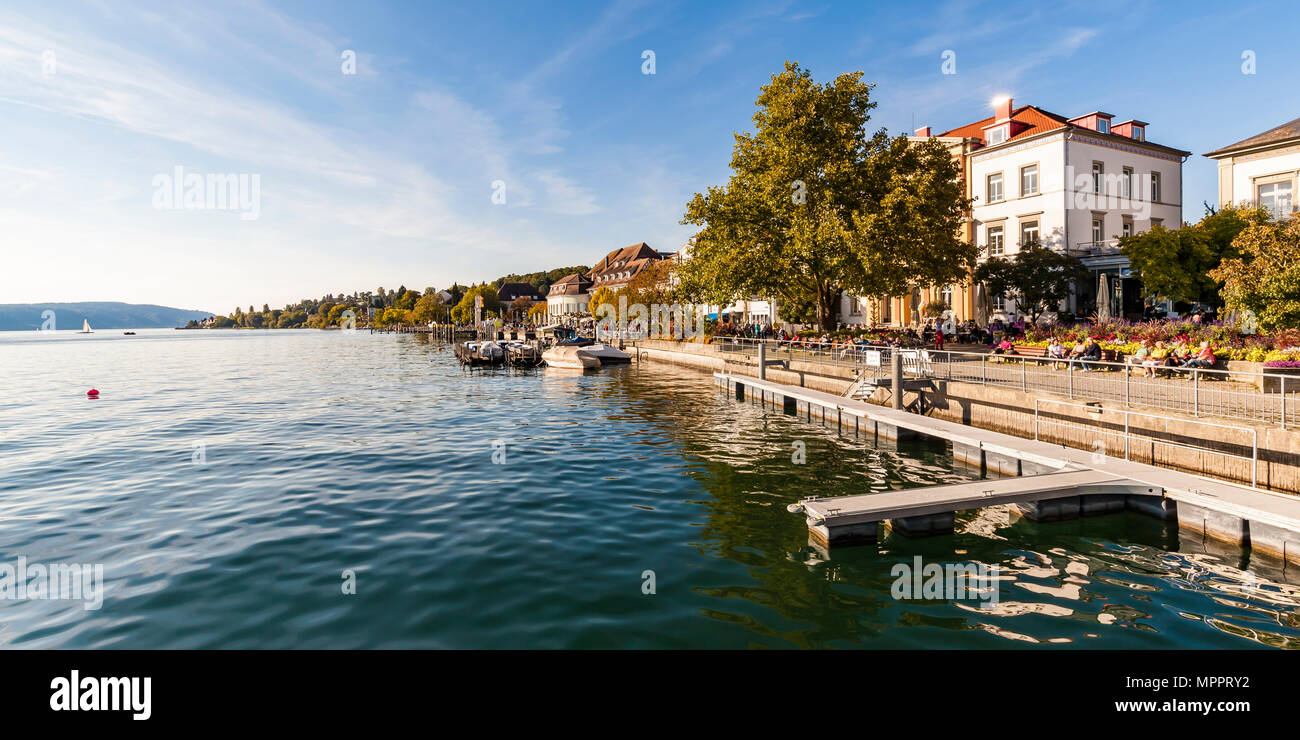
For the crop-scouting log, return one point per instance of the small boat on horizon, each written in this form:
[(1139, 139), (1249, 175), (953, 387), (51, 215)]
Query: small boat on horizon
[(85, 327)]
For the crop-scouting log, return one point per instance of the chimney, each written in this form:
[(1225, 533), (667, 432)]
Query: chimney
[(923, 132), (1002, 107)]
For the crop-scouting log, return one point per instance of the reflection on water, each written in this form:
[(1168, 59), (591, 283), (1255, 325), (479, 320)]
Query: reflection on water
[(325, 451)]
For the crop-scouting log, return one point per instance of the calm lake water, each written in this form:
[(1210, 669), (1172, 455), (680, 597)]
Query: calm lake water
[(226, 480)]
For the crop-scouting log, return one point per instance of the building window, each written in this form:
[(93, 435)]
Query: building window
[(999, 302), (945, 295), (996, 244), (1276, 198), (1127, 183), (1098, 174), (1029, 180), (855, 306), (1139, 133), (1103, 125), (997, 135), (995, 188), (1155, 187), (886, 310), (1098, 230), (1028, 234), (1127, 228)]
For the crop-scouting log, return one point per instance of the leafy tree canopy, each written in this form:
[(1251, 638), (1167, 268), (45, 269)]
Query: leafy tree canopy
[(1265, 278), (815, 206), (1176, 263), (1038, 277)]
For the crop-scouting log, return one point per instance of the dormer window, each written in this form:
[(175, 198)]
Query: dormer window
[(996, 135), (1103, 125), (1139, 133)]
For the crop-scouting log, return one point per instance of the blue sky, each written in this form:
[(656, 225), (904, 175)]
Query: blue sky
[(386, 177)]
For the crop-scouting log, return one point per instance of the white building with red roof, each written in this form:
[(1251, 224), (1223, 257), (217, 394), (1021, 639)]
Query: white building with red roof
[(1074, 185)]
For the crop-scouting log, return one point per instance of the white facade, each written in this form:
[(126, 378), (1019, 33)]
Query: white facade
[(746, 311), (563, 305), (1270, 178), (1072, 191)]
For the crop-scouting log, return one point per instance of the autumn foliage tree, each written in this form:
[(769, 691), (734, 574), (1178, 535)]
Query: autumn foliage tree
[(816, 206), (1177, 263), (1265, 278)]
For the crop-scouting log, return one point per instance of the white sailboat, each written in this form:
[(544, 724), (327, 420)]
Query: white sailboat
[(85, 327)]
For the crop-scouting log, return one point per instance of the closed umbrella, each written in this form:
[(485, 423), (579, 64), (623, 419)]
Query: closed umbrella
[(1103, 297)]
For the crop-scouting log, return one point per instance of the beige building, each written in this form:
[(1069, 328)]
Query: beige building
[(1262, 170)]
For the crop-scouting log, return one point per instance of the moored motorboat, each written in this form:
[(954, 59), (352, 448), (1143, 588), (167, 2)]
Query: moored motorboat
[(480, 353), (521, 354), (570, 357), (607, 354)]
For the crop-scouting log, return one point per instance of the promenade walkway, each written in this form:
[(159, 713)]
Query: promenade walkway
[(1214, 393)]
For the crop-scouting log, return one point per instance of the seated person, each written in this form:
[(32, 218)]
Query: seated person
[(1203, 359), (1178, 355), (1005, 347), (1142, 354), (1158, 358), (1088, 352)]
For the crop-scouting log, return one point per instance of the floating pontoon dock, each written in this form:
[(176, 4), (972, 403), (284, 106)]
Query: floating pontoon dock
[(1061, 487)]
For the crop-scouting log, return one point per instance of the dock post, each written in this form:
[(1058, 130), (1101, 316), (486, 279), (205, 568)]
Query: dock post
[(896, 369), (762, 360)]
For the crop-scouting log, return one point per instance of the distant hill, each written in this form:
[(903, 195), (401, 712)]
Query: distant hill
[(541, 280), (101, 314)]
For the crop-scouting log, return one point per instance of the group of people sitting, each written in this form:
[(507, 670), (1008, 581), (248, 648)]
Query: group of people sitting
[(1086, 353), (1178, 355)]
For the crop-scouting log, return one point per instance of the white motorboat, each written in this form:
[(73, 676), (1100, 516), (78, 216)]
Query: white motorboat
[(607, 354), (570, 357)]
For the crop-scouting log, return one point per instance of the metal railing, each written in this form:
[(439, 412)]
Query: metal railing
[(1248, 395), (1128, 434), (855, 357)]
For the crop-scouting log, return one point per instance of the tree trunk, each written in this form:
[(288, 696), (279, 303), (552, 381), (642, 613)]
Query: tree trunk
[(825, 308)]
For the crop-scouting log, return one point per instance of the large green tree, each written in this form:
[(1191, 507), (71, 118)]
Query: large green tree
[(1176, 263), (1265, 278), (427, 309), (1039, 278), (816, 206), (463, 312)]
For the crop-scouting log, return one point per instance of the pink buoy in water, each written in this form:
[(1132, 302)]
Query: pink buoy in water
[(92, 393)]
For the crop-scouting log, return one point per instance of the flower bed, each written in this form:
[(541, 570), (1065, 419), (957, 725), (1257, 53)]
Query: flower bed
[(1228, 343)]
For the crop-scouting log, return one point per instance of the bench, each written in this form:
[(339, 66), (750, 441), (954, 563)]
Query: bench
[(1024, 350)]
